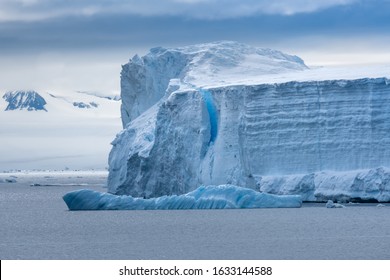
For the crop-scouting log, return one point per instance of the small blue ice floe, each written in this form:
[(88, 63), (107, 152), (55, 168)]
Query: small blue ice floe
[(204, 197)]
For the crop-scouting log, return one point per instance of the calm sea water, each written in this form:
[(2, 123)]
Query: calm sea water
[(35, 224)]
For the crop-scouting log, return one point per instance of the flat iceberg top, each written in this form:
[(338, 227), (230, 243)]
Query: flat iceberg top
[(318, 73), (226, 63), (204, 197), (230, 53), (223, 61)]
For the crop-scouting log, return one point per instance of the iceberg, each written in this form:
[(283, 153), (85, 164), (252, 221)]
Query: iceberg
[(200, 115), (204, 197)]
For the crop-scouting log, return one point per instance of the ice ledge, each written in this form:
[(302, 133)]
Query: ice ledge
[(204, 197), (349, 186), (296, 82)]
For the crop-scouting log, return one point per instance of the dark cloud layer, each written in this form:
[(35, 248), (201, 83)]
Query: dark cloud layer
[(108, 31), (35, 10)]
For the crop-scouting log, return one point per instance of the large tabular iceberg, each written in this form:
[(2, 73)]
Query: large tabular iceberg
[(210, 197), (190, 119)]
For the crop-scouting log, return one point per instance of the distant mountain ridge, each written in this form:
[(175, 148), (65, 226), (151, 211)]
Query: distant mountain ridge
[(31, 100), (20, 100), (100, 95)]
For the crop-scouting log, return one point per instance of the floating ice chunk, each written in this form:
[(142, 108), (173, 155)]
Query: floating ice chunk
[(204, 197), (331, 204), (59, 185), (380, 205), (10, 180)]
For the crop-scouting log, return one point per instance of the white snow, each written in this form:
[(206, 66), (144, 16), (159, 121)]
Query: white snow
[(110, 96), (144, 80), (294, 131), (64, 136), (204, 197)]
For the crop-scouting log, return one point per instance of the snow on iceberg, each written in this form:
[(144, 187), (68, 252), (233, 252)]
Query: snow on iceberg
[(144, 80), (204, 197)]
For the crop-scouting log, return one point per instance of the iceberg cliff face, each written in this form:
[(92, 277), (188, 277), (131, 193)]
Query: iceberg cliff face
[(321, 139)]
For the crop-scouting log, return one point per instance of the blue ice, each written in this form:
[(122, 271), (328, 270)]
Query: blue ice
[(204, 197), (213, 114)]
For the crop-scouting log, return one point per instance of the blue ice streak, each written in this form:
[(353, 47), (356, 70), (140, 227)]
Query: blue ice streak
[(213, 113)]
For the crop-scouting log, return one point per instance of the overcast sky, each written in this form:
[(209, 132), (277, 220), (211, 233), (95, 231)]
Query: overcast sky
[(55, 45)]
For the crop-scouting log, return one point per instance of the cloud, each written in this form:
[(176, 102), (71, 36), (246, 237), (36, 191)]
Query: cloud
[(34, 10)]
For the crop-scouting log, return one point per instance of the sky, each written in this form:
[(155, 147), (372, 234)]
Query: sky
[(70, 45)]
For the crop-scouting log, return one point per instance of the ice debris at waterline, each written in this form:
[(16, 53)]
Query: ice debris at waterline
[(331, 204), (204, 197)]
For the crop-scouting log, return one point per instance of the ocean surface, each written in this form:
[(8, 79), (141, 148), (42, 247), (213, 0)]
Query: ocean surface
[(36, 224)]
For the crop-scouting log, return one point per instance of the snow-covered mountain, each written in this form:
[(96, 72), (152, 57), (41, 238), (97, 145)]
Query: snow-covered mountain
[(101, 95), (61, 135), (226, 113), (28, 100)]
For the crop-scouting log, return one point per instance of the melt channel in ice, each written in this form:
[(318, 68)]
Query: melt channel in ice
[(204, 197), (213, 114)]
